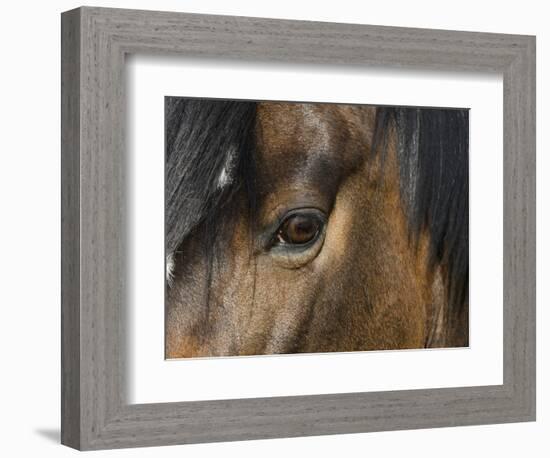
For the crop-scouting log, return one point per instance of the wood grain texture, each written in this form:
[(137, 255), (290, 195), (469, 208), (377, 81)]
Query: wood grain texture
[(70, 229), (95, 412)]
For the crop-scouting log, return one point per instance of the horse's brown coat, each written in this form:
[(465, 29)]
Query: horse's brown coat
[(365, 286)]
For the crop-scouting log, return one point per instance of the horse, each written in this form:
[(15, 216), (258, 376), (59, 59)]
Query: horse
[(314, 227)]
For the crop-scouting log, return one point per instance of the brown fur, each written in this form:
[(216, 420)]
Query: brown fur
[(366, 287)]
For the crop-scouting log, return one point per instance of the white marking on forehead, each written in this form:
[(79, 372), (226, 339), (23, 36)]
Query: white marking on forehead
[(170, 267), (224, 178), (226, 175)]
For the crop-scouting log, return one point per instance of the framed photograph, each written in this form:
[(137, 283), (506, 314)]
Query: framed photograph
[(278, 228)]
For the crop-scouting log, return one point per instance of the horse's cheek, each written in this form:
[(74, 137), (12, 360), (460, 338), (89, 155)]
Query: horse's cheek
[(282, 303)]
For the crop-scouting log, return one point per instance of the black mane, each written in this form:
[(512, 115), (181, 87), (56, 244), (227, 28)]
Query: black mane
[(206, 137), (432, 147)]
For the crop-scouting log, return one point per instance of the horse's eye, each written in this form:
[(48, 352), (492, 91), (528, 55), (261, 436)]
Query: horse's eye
[(299, 229)]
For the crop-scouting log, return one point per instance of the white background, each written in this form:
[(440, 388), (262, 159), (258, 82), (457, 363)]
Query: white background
[(152, 379), (29, 234)]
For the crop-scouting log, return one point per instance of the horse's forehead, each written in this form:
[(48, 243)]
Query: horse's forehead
[(287, 128), (311, 138), (305, 127)]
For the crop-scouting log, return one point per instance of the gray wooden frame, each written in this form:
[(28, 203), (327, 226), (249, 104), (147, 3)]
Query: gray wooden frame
[(95, 414)]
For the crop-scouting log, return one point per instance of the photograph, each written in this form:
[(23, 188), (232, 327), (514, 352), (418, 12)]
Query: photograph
[(306, 227)]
